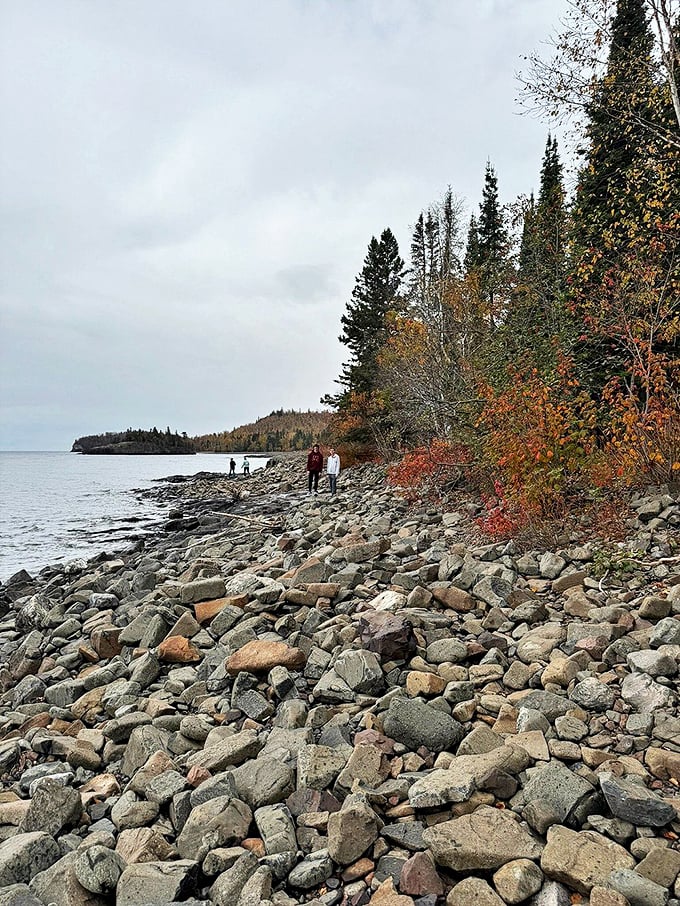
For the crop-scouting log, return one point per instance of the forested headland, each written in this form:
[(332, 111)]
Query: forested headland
[(533, 347), (281, 430), (135, 441)]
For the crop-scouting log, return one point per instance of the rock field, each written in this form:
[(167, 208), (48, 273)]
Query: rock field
[(283, 699)]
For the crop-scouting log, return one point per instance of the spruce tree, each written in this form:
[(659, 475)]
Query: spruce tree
[(471, 259), (551, 227), (542, 257), (375, 293), (537, 304), (495, 269), (526, 264), (625, 219), (435, 264), (619, 117)]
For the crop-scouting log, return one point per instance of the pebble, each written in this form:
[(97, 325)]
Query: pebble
[(342, 701)]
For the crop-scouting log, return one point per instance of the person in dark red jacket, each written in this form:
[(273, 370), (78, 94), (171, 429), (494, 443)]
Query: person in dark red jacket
[(314, 467)]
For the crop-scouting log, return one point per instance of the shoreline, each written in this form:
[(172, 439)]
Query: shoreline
[(121, 525), (284, 699)]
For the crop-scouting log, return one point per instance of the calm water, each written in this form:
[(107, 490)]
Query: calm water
[(56, 507)]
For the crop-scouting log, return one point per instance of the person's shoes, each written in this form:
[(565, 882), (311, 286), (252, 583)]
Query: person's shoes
[(317, 493)]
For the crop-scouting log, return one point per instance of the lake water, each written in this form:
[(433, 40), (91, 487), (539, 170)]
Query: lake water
[(56, 507)]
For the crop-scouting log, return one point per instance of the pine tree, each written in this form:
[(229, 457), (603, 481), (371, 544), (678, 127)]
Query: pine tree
[(494, 264), (617, 133), (626, 229), (375, 293), (471, 259), (435, 264), (542, 256)]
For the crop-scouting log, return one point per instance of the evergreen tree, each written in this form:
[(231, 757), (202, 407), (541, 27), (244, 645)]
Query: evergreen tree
[(617, 132), (551, 221), (435, 265), (494, 263), (626, 226), (471, 260), (542, 256), (375, 293), (526, 264)]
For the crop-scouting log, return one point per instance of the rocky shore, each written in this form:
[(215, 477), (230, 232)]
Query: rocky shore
[(284, 699)]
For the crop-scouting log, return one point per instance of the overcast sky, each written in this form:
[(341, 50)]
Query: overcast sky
[(188, 190)]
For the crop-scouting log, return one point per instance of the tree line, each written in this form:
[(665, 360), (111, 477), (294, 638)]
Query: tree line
[(281, 430), (537, 342), (135, 440)]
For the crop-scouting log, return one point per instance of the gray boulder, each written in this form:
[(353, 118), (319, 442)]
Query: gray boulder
[(416, 724), (25, 855)]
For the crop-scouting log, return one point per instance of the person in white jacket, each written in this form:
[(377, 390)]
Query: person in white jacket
[(333, 470)]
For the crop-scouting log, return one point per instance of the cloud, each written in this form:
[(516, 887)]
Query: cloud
[(188, 191)]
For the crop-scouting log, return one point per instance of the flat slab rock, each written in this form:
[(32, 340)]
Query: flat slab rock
[(633, 802), (259, 656), (486, 839), (582, 859)]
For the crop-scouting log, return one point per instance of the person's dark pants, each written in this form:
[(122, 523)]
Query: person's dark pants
[(314, 479), (333, 482)]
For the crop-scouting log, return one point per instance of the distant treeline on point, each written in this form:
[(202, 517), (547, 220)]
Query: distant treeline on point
[(281, 430)]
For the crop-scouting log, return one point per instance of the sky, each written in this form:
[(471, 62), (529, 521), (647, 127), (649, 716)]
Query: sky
[(187, 190)]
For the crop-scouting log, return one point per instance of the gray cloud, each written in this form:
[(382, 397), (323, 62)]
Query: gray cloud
[(188, 190)]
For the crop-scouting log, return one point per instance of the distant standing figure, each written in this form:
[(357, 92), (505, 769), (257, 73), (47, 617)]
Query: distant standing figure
[(314, 467), (232, 467), (333, 470), (246, 466)]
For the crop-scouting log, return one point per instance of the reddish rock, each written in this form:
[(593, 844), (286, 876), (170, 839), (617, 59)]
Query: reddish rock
[(206, 610), (260, 656), (255, 845), (358, 870), (387, 634), (373, 738), (105, 642), (88, 653), (197, 775), (594, 645), (100, 787), (386, 895), (455, 599), (178, 650), (38, 720), (419, 877), (324, 589)]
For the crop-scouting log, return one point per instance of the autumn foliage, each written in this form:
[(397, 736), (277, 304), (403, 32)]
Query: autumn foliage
[(542, 366), (427, 470)]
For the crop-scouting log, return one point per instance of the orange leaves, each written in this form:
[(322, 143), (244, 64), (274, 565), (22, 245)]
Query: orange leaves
[(643, 440), (541, 435), (423, 471)]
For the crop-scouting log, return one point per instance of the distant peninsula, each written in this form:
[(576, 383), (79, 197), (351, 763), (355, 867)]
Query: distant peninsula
[(283, 430), (279, 432), (135, 441)]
